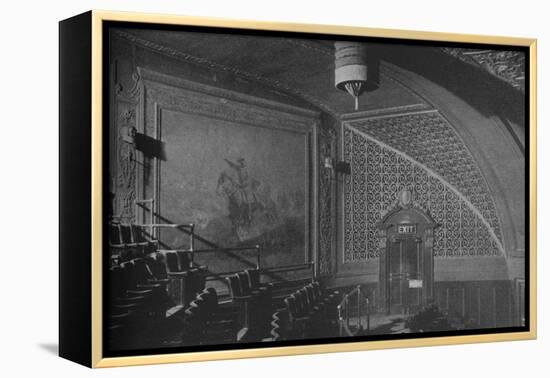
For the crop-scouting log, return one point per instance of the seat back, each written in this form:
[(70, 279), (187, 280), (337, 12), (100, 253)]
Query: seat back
[(318, 290), (253, 277), (114, 234), (116, 284), (141, 271), (184, 260), (243, 282), (210, 302), (172, 262), (310, 295), (213, 295), (307, 303), (192, 326), (199, 305), (301, 302), (128, 274), (208, 299), (234, 286), (292, 309), (137, 234), (120, 319), (126, 233), (198, 279), (156, 264)]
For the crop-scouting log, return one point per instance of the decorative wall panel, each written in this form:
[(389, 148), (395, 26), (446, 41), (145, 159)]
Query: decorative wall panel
[(428, 139), (327, 210), (379, 173), (124, 185)]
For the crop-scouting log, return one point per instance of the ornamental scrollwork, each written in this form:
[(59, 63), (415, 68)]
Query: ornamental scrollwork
[(380, 174), (126, 161), (327, 147), (507, 65)]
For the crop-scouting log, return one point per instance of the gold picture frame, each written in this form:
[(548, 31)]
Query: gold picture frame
[(93, 263)]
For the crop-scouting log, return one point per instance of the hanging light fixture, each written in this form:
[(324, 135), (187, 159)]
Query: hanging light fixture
[(350, 75)]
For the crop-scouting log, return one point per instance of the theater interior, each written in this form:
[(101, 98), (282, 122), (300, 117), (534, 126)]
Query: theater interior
[(283, 187)]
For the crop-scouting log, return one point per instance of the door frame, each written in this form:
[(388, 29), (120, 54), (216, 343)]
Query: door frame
[(406, 219), (404, 277)]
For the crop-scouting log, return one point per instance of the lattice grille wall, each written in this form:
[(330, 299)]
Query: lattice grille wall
[(431, 141), (378, 175)]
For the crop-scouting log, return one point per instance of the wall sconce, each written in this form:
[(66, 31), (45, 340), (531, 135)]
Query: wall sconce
[(337, 167), (328, 163), (128, 134)]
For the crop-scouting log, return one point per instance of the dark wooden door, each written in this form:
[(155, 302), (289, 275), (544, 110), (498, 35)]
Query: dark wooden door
[(405, 275)]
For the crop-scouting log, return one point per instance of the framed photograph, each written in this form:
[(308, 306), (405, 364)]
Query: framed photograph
[(234, 189)]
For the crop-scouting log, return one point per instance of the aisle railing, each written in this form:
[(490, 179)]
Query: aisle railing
[(238, 253), (354, 313)]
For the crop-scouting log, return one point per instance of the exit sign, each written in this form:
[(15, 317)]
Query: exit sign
[(406, 229)]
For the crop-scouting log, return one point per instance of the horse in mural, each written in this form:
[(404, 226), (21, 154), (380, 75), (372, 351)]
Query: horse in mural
[(245, 198)]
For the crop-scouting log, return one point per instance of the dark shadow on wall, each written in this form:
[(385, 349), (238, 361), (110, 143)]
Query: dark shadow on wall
[(483, 91)]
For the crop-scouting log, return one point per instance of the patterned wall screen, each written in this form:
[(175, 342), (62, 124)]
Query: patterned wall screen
[(327, 208), (380, 172)]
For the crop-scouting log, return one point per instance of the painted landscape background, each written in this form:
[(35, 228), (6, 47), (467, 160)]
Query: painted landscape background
[(241, 185)]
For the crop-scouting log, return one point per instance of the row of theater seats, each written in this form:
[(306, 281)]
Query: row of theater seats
[(310, 313), (146, 281), (140, 296), (136, 302), (207, 321), (299, 303), (128, 241), (253, 301), (245, 318), (143, 288)]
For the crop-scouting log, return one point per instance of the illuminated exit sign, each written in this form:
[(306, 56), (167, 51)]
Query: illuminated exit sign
[(406, 229)]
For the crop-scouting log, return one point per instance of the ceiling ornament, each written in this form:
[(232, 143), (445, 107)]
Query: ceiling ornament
[(351, 69), (506, 65)]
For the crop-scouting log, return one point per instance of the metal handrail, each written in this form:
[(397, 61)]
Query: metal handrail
[(306, 265), (166, 225), (278, 269), (348, 303), (189, 228), (293, 267), (256, 248)]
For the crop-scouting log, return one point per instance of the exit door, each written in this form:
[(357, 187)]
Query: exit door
[(405, 278)]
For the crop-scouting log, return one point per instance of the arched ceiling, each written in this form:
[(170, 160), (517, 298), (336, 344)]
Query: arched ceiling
[(303, 68)]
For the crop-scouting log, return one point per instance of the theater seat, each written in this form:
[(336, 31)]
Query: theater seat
[(198, 318), (145, 244), (311, 312), (298, 322)]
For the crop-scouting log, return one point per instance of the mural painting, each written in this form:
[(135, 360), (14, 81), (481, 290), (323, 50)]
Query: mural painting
[(241, 188)]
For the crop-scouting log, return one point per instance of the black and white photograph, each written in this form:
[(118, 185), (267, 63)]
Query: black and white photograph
[(270, 188), (275, 189)]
